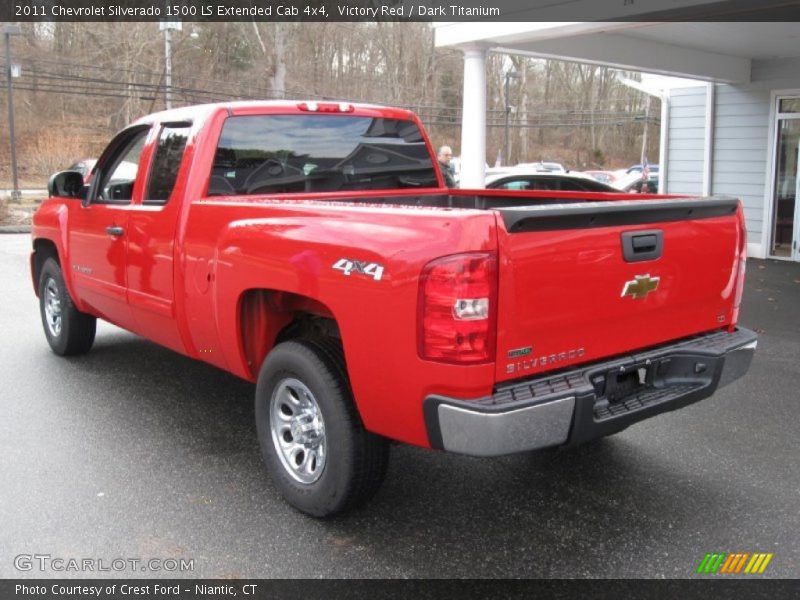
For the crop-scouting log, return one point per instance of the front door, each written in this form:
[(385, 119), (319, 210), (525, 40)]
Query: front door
[(786, 207), (98, 230)]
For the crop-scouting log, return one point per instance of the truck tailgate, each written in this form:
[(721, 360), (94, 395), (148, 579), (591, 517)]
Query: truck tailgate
[(584, 281)]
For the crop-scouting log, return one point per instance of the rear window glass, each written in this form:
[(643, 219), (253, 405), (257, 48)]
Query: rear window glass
[(516, 185), (274, 154)]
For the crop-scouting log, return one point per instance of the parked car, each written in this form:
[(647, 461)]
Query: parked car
[(643, 187), (549, 167), (563, 182), (633, 183), (495, 171), (84, 167), (455, 163), (603, 176), (638, 169)]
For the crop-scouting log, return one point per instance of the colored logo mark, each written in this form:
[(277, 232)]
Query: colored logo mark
[(739, 562), (641, 285)]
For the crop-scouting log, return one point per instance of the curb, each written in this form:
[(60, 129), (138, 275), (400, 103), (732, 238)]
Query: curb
[(15, 229)]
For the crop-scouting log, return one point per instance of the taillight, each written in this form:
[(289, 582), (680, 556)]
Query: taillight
[(457, 309), (742, 267)]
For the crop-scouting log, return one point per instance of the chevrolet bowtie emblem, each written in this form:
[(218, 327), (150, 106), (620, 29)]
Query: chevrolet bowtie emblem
[(639, 287)]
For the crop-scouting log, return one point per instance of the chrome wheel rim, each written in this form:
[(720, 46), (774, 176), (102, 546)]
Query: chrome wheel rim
[(298, 430), (52, 307)]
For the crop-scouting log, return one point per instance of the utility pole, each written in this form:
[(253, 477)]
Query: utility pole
[(8, 31), (509, 75), (644, 133), (167, 27)]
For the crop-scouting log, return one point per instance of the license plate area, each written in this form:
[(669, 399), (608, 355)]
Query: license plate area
[(636, 386), (624, 382)]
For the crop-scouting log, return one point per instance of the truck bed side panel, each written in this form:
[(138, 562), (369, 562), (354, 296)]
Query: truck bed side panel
[(292, 248)]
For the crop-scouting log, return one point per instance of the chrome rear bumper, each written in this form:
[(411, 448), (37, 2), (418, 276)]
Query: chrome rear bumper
[(590, 401)]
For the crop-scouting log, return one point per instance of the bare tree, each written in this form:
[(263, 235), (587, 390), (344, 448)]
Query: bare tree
[(91, 79)]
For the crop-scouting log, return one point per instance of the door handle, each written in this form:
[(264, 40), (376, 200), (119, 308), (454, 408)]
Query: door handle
[(114, 230), (642, 245)]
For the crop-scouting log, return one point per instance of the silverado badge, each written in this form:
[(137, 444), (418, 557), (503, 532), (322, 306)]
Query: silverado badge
[(639, 287)]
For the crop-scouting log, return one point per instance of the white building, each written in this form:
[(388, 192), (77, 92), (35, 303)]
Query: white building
[(733, 130)]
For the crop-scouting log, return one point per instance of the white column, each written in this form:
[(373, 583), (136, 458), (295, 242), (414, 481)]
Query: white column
[(708, 139), (473, 119)]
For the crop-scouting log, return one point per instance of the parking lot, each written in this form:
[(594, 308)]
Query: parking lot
[(134, 451)]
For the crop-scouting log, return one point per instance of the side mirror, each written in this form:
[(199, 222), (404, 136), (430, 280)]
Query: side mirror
[(66, 184)]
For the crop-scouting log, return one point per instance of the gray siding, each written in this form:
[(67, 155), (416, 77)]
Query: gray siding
[(685, 152), (741, 148)]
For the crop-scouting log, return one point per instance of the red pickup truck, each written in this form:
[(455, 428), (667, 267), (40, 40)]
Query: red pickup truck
[(313, 248)]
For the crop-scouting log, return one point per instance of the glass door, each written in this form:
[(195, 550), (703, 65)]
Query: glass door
[(786, 211)]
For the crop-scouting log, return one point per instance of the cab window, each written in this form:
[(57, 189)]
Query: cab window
[(118, 173), (278, 154)]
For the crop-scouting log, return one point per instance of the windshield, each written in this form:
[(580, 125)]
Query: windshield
[(273, 154)]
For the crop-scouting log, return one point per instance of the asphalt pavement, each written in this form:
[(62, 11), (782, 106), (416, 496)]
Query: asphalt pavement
[(133, 451)]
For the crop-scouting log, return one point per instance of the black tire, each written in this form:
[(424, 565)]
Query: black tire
[(73, 331), (355, 460)]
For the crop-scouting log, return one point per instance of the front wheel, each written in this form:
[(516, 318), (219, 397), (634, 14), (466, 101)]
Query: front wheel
[(68, 330), (312, 440)]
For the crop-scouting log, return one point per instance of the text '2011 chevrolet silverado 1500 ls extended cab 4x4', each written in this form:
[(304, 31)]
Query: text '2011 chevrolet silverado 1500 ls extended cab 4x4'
[(312, 248)]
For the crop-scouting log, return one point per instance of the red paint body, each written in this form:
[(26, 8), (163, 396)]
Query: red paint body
[(181, 275)]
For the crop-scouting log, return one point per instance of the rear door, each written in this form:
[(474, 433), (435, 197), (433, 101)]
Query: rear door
[(579, 282), (152, 229)]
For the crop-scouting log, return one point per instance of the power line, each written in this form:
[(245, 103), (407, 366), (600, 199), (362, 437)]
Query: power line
[(249, 90), (145, 85)]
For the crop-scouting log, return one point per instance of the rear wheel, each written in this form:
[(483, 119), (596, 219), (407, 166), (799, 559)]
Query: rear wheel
[(68, 330), (312, 440)]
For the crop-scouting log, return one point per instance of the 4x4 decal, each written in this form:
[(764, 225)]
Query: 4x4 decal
[(347, 266)]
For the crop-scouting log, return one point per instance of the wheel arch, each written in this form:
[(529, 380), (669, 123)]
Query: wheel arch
[(43, 249), (267, 317)]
